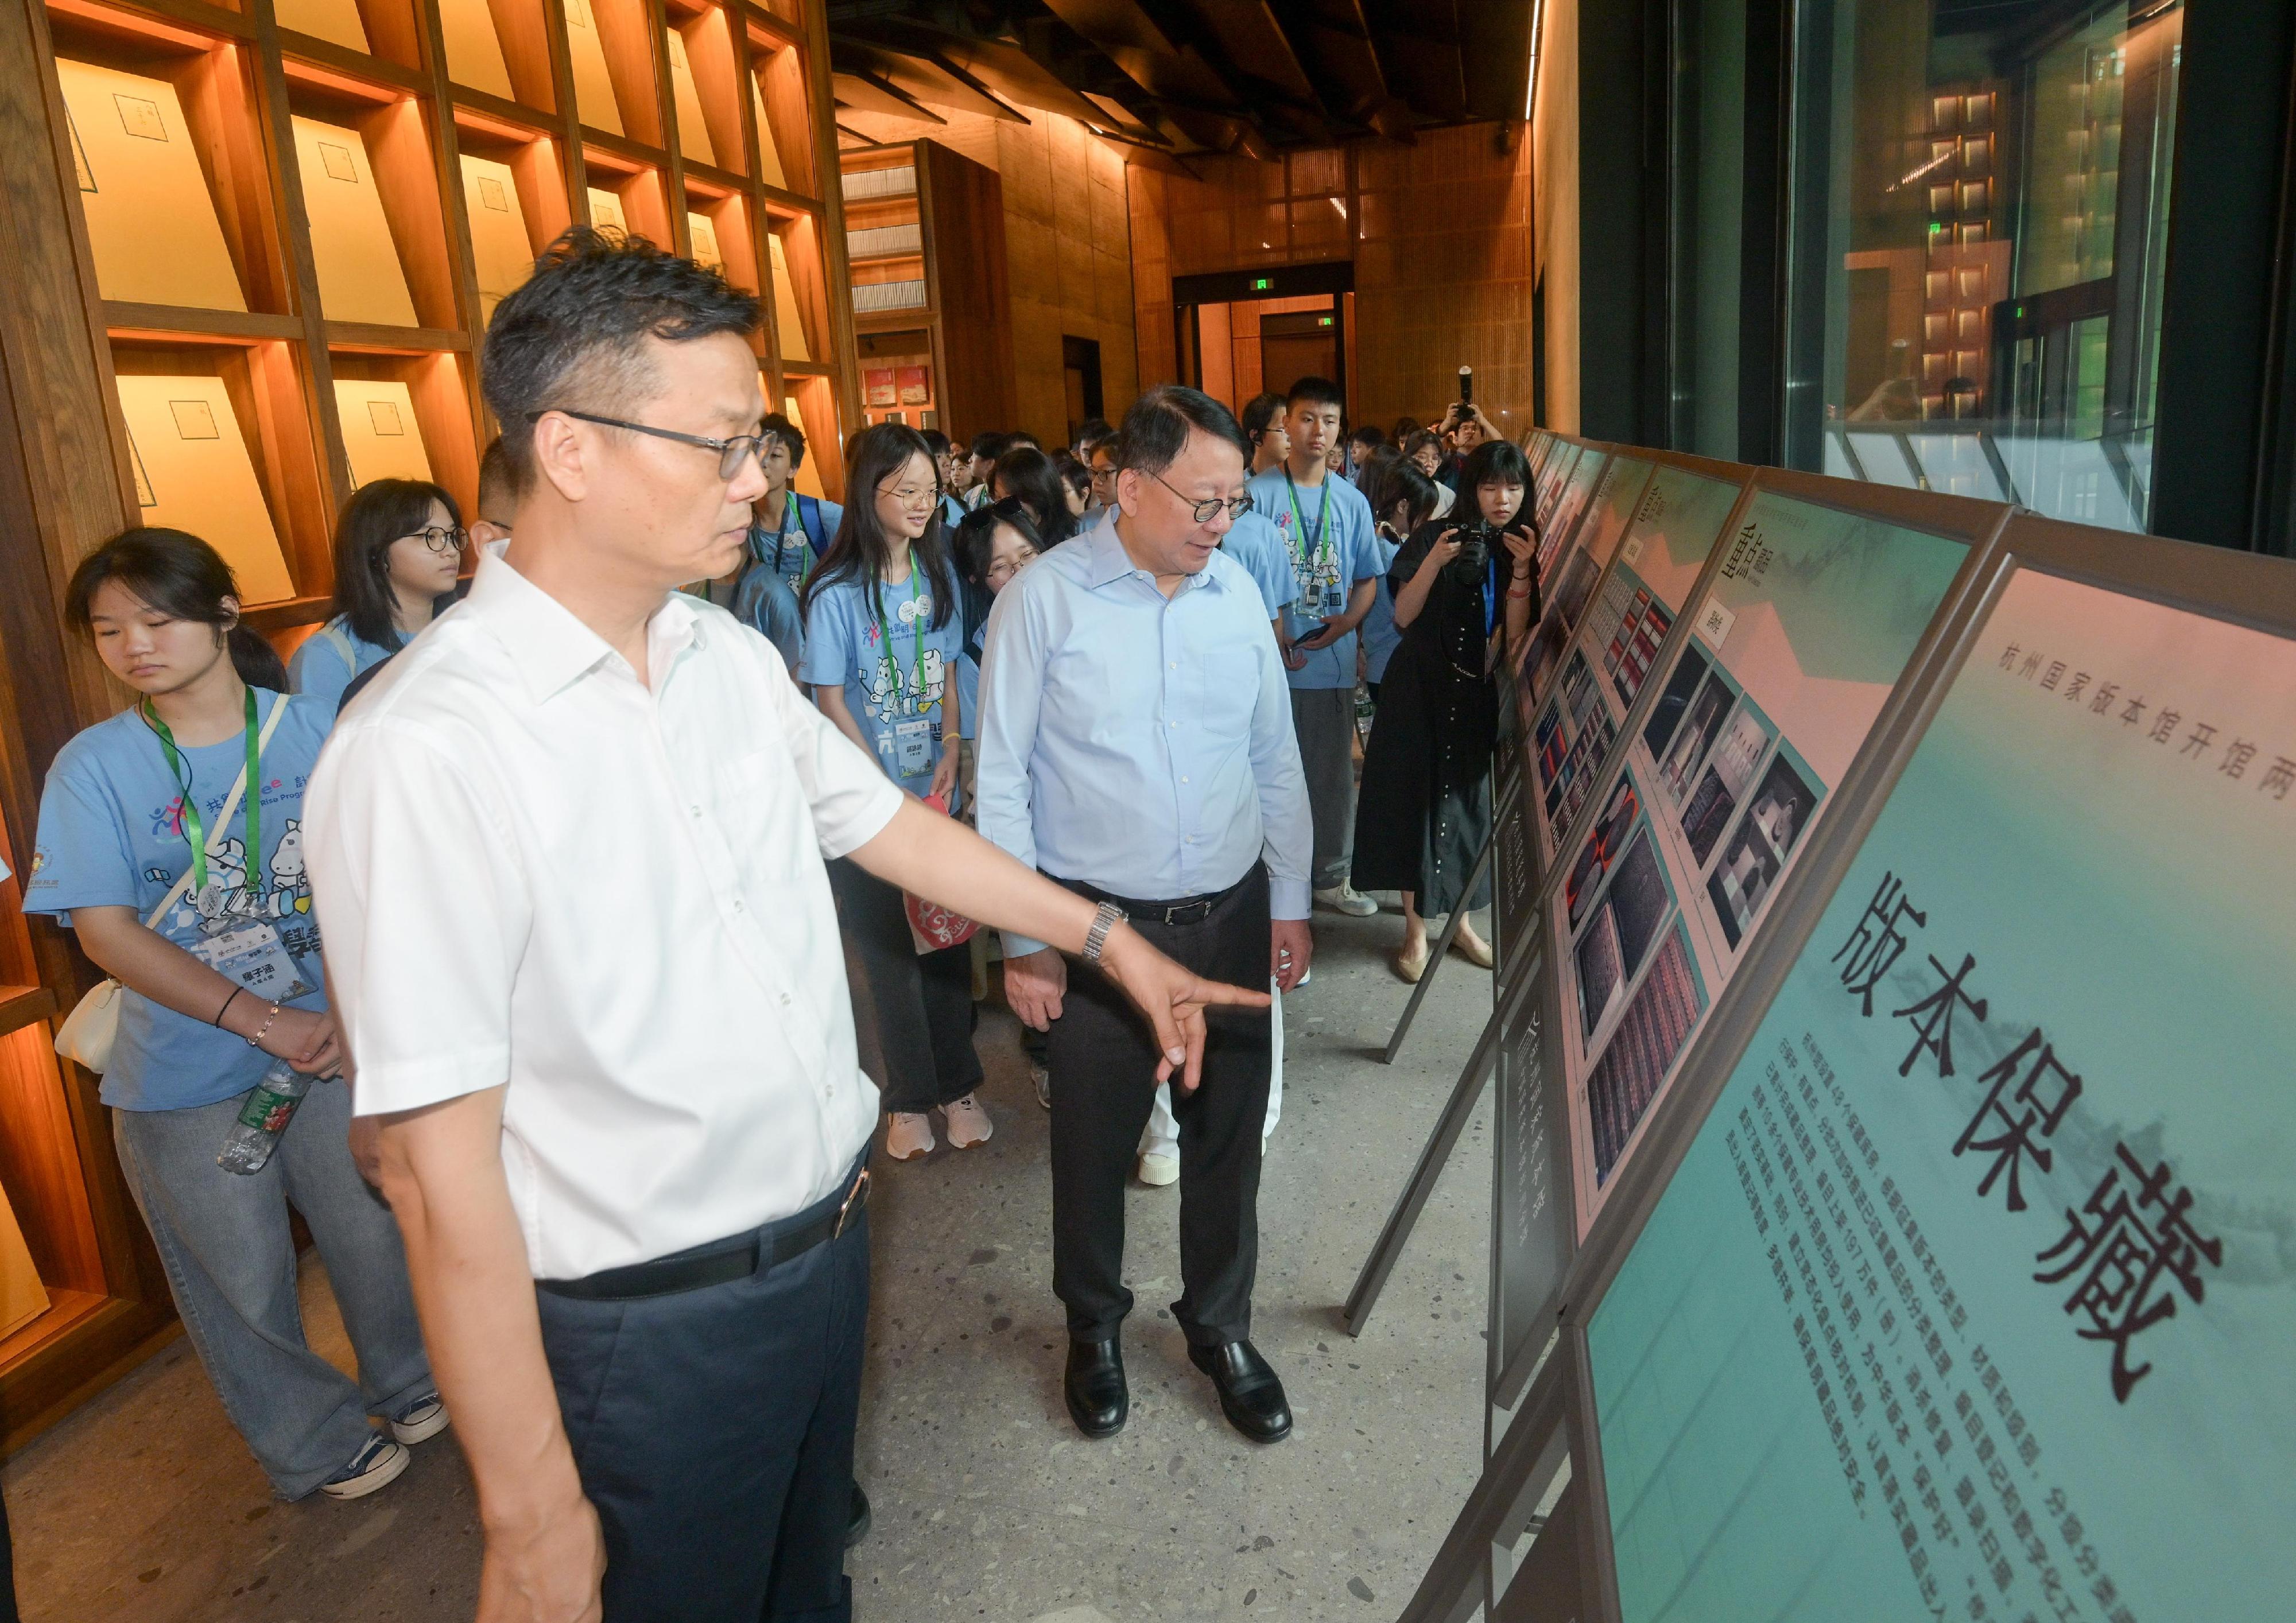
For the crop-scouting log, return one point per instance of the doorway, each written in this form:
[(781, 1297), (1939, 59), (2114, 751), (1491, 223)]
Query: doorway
[(1241, 333), (1080, 364)]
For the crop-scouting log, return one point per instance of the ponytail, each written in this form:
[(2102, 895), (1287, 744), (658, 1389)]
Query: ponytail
[(256, 661)]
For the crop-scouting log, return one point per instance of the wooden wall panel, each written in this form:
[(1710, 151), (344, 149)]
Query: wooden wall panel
[(972, 291)]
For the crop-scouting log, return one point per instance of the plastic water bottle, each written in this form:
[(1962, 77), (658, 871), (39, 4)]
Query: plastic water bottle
[(263, 1118)]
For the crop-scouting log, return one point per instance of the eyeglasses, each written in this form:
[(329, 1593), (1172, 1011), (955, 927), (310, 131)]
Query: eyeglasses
[(439, 540), (910, 497), (1003, 569), (1203, 511), (731, 453)]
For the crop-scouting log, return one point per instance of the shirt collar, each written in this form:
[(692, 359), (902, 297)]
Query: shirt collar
[(552, 649), (1107, 561)]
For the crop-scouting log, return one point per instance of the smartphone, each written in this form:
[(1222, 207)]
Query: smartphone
[(1466, 386)]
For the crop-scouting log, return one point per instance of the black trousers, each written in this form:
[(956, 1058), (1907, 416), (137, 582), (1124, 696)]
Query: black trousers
[(713, 1430), (1104, 1066), (924, 1002)]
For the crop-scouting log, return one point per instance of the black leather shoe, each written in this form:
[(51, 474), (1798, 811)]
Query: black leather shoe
[(1250, 1394), (856, 1520), (1099, 1401)]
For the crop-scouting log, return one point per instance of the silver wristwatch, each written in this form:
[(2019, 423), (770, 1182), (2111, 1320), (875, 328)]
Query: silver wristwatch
[(1106, 919)]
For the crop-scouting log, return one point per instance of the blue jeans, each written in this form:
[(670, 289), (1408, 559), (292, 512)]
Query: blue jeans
[(231, 1264)]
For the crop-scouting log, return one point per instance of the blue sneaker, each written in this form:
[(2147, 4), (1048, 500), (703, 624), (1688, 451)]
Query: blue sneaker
[(420, 1421), (377, 1464)]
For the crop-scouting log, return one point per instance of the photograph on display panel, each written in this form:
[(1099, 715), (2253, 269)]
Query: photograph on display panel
[(1658, 558), (1811, 618), (1565, 589), (1972, 1295)]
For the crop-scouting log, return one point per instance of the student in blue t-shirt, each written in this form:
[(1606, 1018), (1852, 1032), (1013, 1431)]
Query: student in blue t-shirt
[(399, 548), (1325, 526), (882, 635), (201, 786), (791, 532), (1254, 542)]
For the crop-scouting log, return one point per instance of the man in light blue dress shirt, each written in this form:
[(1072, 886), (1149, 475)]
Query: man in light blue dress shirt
[(1135, 742)]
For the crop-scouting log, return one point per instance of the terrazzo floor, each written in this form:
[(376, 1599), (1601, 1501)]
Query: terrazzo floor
[(144, 1507)]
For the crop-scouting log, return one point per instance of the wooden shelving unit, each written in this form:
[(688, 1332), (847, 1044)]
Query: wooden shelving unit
[(250, 268), (932, 305)]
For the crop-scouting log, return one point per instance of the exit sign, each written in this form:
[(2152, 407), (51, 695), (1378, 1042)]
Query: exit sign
[(1260, 284)]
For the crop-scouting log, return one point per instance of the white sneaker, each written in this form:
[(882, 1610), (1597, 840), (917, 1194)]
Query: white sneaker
[(1042, 1079), (378, 1463), (1158, 1170), (968, 1123), (1346, 898), (424, 1419), (907, 1135)]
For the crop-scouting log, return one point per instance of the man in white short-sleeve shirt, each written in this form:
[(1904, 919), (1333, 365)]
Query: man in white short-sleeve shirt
[(568, 853)]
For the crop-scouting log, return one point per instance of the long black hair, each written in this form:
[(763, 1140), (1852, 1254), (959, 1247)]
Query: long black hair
[(1402, 482), (1025, 473), (857, 551), (382, 512), (975, 543), (182, 577), (1494, 462)]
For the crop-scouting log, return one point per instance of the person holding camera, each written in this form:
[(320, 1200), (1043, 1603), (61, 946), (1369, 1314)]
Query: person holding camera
[(1465, 589), (1466, 430)]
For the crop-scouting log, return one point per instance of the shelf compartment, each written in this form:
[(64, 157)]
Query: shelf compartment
[(784, 117), (207, 436), (811, 403), (514, 200), (800, 288), (408, 416), (20, 1006), (610, 48), (626, 196), (371, 194), (719, 228), (905, 240), (337, 21), (166, 159)]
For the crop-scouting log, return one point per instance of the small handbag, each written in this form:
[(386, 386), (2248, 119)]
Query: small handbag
[(931, 926), (88, 1032)]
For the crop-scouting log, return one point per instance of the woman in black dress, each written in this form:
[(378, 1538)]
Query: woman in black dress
[(1464, 587)]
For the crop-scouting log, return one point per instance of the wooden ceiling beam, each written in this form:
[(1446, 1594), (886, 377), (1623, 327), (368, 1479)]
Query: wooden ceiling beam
[(870, 93), (1153, 60)]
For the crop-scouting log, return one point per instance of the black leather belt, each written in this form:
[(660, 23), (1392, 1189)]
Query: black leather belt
[(719, 1262), (1188, 910)]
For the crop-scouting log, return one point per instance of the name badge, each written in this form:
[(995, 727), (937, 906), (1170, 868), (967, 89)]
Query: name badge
[(912, 748), (1330, 602), (253, 954)]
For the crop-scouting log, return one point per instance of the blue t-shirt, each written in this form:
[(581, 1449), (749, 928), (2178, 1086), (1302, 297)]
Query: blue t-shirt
[(1253, 542), (318, 672), (112, 834), (893, 671), (807, 526), (1381, 638), (765, 603), (1328, 537)]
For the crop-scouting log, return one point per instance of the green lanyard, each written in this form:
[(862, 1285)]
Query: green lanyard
[(789, 512), (1314, 539), (916, 635), (195, 831)]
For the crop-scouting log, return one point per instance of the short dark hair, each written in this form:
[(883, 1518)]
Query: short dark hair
[(1073, 474), (1157, 427), (580, 324), (496, 491), (181, 576), (1090, 433), (1494, 462), (1366, 434), (990, 444), (791, 436), (1420, 439), (935, 442), (378, 512), (1028, 474), (1259, 412), (1313, 390)]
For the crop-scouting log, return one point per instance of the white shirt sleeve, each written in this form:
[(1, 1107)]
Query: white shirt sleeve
[(851, 798), (425, 909)]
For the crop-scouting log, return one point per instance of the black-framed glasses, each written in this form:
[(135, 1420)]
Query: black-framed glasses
[(731, 453), (440, 539), (1236, 506)]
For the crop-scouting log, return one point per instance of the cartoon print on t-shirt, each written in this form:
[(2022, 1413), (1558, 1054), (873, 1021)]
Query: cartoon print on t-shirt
[(890, 691), (1321, 592), (290, 880)]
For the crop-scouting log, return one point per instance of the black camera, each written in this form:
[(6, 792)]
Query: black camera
[(1475, 541)]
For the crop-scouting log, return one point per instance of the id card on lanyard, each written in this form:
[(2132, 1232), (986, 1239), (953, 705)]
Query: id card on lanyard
[(248, 951), (907, 743), (1326, 598)]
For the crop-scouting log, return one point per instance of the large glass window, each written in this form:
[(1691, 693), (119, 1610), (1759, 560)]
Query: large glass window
[(1979, 194)]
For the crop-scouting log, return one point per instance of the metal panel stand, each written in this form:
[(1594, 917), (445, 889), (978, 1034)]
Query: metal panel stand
[(1442, 951), (1400, 1222)]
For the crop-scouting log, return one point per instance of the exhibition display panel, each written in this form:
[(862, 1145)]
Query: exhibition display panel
[(253, 273), (1938, 1269)]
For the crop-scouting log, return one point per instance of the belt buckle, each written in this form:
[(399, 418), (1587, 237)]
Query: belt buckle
[(851, 1195)]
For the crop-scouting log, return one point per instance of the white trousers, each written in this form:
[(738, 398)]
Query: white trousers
[(1163, 1134)]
